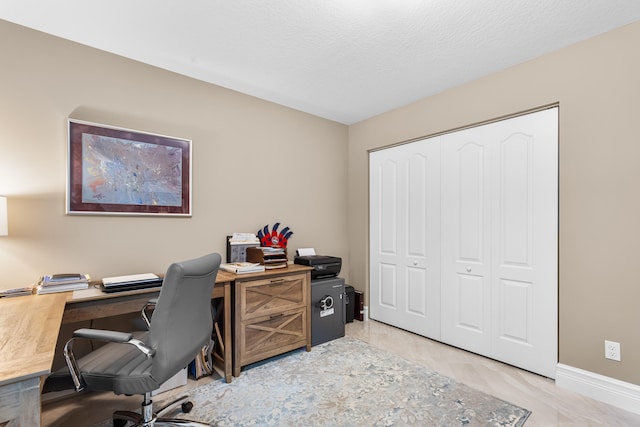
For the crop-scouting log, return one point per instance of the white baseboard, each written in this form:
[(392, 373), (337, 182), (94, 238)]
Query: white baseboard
[(605, 389)]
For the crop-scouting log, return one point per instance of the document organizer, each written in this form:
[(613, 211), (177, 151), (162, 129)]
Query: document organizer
[(270, 257)]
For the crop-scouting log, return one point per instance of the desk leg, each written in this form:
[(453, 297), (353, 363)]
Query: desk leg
[(223, 352), (228, 346)]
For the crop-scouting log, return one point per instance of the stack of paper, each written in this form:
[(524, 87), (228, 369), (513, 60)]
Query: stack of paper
[(243, 239), (62, 283), (202, 365), (242, 267)]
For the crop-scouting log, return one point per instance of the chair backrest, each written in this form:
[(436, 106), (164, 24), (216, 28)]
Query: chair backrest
[(181, 323)]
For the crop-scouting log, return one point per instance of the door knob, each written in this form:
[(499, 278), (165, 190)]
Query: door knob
[(415, 262), (468, 269)]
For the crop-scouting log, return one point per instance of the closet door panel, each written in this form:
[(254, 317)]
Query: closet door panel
[(405, 259), (525, 232), (513, 228), (384, 237), (465, 241), (419, 303)]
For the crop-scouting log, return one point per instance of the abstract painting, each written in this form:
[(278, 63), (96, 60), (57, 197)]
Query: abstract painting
[(125, 172)]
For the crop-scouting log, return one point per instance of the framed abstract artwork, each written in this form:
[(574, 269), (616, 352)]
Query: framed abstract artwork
[(116, 171)]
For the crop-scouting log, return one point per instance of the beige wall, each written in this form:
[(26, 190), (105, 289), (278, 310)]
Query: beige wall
[(254, 163), (597, 85)]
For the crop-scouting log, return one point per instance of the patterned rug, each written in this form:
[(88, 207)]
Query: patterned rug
[(346, 382)]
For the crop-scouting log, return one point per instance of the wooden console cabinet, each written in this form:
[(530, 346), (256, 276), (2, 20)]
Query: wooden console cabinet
[(272, 314)]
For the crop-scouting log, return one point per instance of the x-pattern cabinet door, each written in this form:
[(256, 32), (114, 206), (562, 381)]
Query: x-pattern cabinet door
[(272, 316)]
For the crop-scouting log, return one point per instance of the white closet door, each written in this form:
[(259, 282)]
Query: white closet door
[(525, 242), (466, 239), (499, 234), (404, 236)]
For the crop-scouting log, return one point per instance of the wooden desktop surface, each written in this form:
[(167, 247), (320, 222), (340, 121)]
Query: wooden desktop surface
[(29, 329), (28, 335)]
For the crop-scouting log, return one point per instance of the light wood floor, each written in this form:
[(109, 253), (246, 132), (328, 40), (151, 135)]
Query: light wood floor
[(551, 406)]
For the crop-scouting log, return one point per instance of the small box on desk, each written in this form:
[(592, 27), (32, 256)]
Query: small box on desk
[(237, 251), (270, 257)]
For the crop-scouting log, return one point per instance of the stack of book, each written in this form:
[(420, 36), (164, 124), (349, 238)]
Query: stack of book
[(270, 256), (62, 283), (242, 267)]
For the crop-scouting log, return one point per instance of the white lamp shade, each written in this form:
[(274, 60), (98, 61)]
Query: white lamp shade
[(4, 222)]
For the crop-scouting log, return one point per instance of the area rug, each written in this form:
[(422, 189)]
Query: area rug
[(346, 382)]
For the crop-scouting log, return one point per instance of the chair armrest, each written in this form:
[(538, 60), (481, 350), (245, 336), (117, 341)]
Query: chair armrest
[(151, 304), (100, 335), (114, 336)]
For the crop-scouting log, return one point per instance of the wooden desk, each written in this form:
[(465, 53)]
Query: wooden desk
[(28, 333), (95, 304), (29, 327)]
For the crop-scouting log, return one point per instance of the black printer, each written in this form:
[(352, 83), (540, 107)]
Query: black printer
[(323, 265)]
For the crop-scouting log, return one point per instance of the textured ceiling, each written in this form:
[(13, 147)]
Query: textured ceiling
[(345, 60)]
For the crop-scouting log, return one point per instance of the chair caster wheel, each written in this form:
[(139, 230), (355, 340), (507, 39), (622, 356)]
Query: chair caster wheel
[(187, 407), (119, 423)]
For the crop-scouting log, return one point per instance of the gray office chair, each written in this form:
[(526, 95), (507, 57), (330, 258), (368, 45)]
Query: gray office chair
[(138, 363)]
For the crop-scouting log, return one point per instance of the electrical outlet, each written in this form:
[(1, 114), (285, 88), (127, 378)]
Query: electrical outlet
[(612, 350)]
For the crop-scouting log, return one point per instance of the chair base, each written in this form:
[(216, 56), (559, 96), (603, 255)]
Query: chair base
[(147, 418)]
